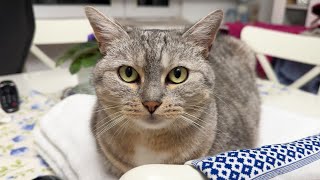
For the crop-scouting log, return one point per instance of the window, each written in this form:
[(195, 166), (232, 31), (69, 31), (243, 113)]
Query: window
[(115, 8), (153, 2), (153, 8), (70, 2)]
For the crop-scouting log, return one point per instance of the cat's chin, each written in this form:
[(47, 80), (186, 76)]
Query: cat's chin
[(152, 122)]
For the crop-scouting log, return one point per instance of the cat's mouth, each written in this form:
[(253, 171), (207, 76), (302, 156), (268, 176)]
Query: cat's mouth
[(152, 122)]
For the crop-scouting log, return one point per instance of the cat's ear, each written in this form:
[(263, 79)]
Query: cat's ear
[(105, 29), (204, 31)]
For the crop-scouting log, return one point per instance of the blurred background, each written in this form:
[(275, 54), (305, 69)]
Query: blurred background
[(37, 35)]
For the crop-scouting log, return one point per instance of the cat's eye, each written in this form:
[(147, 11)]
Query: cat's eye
[(177, 75), (128, 74)]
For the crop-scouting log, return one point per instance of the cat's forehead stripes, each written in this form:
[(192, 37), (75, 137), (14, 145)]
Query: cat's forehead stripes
[(153, 43)]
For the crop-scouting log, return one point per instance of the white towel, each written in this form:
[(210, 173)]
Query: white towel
[(63, 138)]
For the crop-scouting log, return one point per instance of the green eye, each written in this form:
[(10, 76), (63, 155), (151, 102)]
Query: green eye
[(178, 75), (128, 74)]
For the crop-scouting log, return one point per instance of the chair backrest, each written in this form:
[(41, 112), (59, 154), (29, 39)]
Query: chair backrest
[(61, 31), (299, 48)]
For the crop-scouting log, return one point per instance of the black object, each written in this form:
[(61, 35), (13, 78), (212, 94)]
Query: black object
[(69, 2), (9, 96), (16, 33), (47, 178)]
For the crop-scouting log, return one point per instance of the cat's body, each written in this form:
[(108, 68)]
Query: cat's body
[(153, 120)]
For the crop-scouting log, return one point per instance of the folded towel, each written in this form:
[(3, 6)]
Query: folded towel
[(63, 138)]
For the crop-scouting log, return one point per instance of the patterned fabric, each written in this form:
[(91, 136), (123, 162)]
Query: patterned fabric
[(18, 158), (261, 163)]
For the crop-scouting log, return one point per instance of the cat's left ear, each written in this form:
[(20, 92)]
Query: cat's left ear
[(204, 31)]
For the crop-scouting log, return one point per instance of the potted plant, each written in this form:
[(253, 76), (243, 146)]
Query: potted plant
[(83, 58)]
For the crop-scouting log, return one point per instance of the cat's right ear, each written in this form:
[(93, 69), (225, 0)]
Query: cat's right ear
[(204, 31), (105, 29)]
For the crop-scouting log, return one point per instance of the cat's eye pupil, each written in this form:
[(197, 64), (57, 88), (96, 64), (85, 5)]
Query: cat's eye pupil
[(128, 71), (177, 72)]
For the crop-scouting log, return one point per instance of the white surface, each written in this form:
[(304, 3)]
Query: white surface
[(59, 127), (52, 81), (59, 31), (311, 171), (163, 172), (195, 10), (117, 9), (299, 48), (281, 126), (290, 99)]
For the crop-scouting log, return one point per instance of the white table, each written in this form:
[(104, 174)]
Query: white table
[(51, 81), (289, 99)]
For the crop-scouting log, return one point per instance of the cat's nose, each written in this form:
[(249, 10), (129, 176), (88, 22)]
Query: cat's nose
[(151, 105)]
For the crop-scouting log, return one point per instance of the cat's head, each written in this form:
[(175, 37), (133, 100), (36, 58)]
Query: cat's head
[(154, 78)]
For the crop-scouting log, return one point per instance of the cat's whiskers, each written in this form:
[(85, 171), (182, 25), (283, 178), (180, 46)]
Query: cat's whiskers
[(110, 125), (200, 109), (216, 130), (119, 130), (115, 101), (108, 107), (99, 126), (193, 123), (196, 118)]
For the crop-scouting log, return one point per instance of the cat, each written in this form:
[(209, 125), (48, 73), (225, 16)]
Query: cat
[(170, 96)]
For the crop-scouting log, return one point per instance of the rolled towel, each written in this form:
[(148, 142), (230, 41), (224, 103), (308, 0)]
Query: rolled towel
[(64, 140)]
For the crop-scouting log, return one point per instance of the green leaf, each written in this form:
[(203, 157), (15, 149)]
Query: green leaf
[(68, 54), (90, 61), (77, 51), (75, 66)]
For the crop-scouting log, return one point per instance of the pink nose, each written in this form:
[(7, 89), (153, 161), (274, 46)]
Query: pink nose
[(151, 105)]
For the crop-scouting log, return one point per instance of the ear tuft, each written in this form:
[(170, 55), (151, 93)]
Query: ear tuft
[(105, 29), (205, 30)]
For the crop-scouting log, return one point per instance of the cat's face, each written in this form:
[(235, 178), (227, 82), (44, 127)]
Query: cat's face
[(153, 78)]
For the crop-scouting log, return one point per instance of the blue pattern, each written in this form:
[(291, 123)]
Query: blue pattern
[(18, 151), (261, 163), (28, 127), (18, 138)]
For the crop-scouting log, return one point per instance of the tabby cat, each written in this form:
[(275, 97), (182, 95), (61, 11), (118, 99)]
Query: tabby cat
[(169, 96)]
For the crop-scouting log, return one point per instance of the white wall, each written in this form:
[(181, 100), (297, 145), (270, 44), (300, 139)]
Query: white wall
[(194, 10)]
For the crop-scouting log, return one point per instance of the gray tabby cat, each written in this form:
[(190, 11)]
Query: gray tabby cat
[(167, 96)]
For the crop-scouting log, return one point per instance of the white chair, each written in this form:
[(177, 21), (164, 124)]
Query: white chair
[(58, 31), (62, 31), (298, 48)]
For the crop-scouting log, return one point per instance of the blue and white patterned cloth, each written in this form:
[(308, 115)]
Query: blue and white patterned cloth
[(265, 162)]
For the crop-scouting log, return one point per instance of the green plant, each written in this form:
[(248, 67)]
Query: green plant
[(82, 55)]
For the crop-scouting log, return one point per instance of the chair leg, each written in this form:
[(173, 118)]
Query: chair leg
[(306, 77), (42, 56)]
